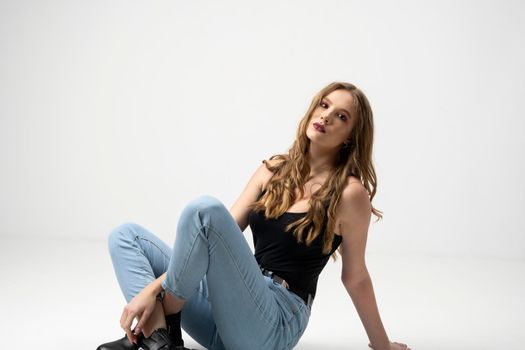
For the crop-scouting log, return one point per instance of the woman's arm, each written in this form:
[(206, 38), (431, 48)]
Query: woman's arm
[(362, 295), (353, 220), (240, 210)]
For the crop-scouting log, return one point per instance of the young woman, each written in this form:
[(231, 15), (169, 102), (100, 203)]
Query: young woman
[(302, 208)]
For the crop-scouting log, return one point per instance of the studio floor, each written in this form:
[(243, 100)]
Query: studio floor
[(62, 294)]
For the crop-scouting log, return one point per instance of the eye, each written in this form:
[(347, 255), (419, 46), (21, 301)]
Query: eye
[(341, 116)]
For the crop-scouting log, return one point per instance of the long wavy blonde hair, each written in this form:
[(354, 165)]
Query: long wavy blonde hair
[(293, 170)]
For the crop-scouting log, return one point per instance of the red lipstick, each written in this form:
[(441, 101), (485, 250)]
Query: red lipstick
[(319, 127)]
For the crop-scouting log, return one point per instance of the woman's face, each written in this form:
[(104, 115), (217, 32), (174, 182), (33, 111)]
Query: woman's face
[(332, 120)]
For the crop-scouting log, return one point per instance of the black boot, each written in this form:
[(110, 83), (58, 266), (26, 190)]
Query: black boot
[(173, 332), (122, 344), (158, 340)]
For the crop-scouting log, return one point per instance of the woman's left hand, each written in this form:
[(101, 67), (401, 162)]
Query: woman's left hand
[(395, 346), (140, 307)]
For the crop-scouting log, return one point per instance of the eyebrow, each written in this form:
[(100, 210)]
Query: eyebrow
[(344, 110)]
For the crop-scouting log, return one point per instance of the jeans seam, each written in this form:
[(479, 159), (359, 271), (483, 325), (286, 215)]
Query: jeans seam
[(153, 243), (238, 270), (183, 268), (144, 268)]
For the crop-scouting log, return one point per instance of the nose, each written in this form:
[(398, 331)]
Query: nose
[(324, 119)]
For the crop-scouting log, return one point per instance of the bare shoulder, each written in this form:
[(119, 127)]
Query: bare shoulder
[(354, 206), (354, 192)]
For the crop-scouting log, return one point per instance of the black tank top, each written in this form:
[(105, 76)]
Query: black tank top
[(278, 250)]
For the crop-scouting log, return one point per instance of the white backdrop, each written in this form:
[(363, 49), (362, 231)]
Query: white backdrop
[(115, 111)]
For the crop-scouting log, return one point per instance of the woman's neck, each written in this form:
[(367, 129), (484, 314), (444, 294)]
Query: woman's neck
[(321, 161)]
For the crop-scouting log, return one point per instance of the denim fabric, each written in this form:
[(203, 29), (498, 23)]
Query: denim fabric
[(229, 303)]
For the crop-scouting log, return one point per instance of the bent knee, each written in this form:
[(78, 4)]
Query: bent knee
[(121, 233), (205, 204)]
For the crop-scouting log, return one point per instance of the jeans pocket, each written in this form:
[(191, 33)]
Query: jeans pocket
[(295, 303), (294, 310)]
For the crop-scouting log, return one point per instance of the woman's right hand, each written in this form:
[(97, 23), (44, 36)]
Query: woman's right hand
[(140, 307), (395, 346)]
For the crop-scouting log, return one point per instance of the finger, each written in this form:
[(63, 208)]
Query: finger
[(137, 330), (126, 318), (127, 328), (123, 317), (143, 318), (129, 320), (130, 336)]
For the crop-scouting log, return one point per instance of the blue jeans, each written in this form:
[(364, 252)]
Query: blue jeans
[(230, 304)]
